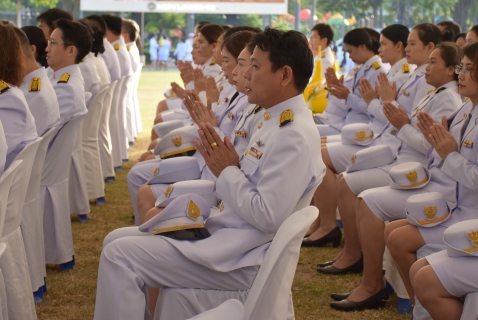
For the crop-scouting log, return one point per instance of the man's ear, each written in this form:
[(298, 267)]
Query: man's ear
[(287, 76)]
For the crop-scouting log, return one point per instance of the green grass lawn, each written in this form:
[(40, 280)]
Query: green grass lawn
[(71, 295)]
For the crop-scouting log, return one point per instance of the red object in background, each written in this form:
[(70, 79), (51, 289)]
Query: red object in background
[(304, 14), (327, 16)]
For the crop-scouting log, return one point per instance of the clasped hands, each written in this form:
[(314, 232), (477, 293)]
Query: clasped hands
[(198, 111), (437, 134), (335, 85)]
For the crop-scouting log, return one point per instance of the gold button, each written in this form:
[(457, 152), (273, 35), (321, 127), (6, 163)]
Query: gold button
[(259, 125), (267, 116)]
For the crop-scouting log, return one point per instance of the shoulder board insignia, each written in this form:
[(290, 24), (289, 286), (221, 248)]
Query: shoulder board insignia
[(35, 84), (4, 86), (376, 65), (430, 91), (405, 68), (440, 90), (116, 46), (322, 55), (213, 62), (128, 47), (64, 78), (256, 109), (286, 117)]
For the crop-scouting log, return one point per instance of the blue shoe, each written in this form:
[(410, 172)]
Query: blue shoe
[(38, 295), (100, 201), (119, 168), (110, 179), (131, 143), (83, 218), (67, 266), (125, 160), (404, 306)]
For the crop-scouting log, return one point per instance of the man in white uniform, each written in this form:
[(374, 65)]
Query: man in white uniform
[(281, 165), (322, 35), (38, 91), (130, 33), (113, 35), (69, 43), (46, 20)]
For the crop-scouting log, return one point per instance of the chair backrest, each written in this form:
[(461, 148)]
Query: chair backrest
[(116, 97), (270, 292), (470, 308), (109, 99), (3, 148), (35, 176), (6, 181), (16, 197), (92, 119), (305, 200), (58, 160)]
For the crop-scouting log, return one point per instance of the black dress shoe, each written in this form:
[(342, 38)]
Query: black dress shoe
[(334, 237), (325, 264), (374, 302), (357, 267), (340, 296)]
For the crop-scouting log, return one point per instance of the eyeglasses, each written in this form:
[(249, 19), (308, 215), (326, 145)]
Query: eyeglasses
[(54, 43), (463, 70)]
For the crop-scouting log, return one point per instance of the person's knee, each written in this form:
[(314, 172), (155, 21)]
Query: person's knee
[(145, 196), (423, 284), (396, 242)]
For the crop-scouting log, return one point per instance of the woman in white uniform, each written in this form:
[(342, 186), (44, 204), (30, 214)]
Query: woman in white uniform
[(18, 122), (422, 41), (374, 206), (345, 103), (459, 162), (393, 41)]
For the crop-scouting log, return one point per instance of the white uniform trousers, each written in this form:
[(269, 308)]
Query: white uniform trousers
[(139, 174), (133, 260)]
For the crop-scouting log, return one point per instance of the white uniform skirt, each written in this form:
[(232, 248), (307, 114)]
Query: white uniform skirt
[(340, 154), (457, 275)]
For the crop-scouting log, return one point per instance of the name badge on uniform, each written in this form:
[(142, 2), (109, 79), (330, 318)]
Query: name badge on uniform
[(240, 134), (468, 144), (255, 153), (230, 115)]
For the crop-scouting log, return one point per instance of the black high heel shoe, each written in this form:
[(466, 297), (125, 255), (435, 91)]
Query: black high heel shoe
[(357, 267), (325, 264), (334, 237), (374, 302)]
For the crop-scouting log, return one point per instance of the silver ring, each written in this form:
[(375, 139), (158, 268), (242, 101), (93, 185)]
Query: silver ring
[(437, 141)]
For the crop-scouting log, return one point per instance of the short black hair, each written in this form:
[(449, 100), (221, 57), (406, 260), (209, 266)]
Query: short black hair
[(451, 26), (460, 35), (27, 50), (324, 30), (362, 36), (97, 45), (51, 15), (396, 33), (76, 34), (131, 28), (98, 21), (113, 23), (287, 48), (233, 30), (36, 37)]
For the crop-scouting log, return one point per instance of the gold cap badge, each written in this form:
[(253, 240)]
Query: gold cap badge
[(178, 141), (430, 212), (473, 236), (116, 46), (35, 84), (412, 176), (193, 210), (64, 78), (168, 190)]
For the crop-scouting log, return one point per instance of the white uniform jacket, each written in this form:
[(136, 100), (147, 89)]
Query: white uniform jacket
[(90, 75), (134, 55), (70, 92), (279, 167), (399, 73), (41, 99), (123, 57), (18, 122), (328, 60), (103, 72), (111, 60)]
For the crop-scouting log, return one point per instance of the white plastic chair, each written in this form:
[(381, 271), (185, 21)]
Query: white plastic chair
[(78, 192), (14, 264), (95, 184), (6, 181), (115, 125), (172, 302), (123, 117), (270, 293), (32, 217), (55, 196), (3, 149), (104, 135), (470, 309), (139, 124)]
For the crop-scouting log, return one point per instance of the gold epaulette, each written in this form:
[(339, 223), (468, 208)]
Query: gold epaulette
[(256, 109), (286, 117), (376, 65), (405, 68), (322, 55), (128, 47), (4, 86), (116, 46), (64, 78), (35, 84), (440, 90), (213, 62)]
